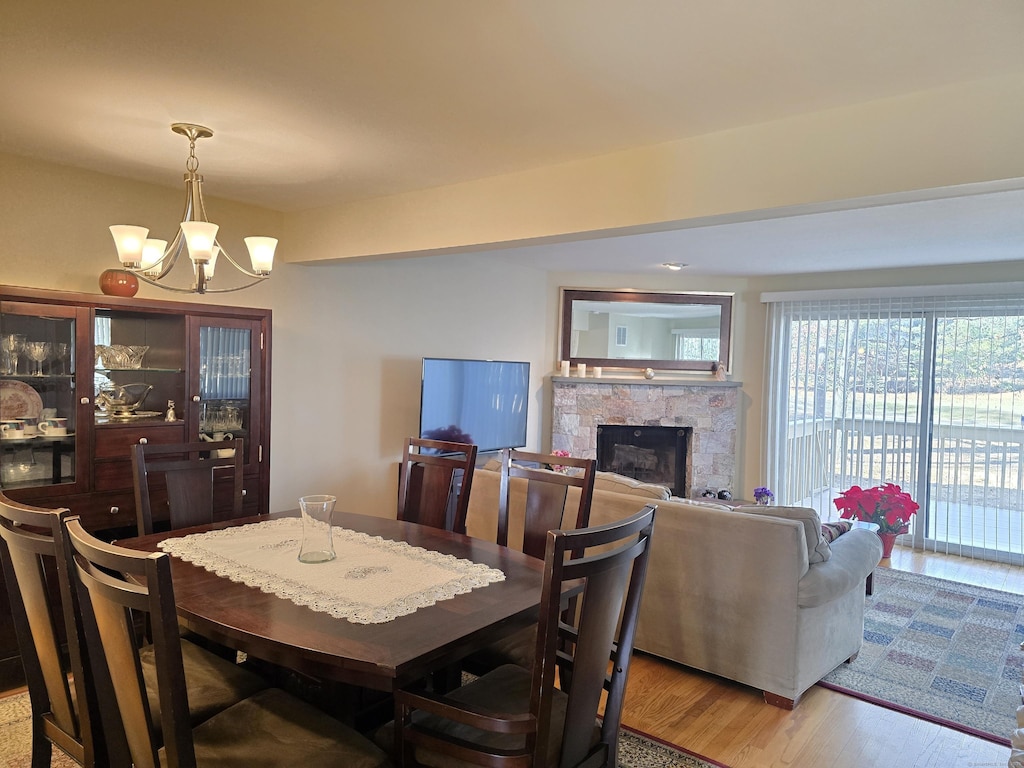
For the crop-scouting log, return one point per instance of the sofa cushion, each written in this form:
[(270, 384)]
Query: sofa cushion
[(818, 550), (708, 503), (610, 481)]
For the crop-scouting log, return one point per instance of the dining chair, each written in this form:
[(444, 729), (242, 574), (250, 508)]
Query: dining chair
[(193, 473), (434, 483), (514, 717), (35, 552), (546, 496), (538, 502), (269, 728), (61, 695)]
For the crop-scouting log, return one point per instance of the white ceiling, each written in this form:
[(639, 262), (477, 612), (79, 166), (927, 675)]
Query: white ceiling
[(323, 101)]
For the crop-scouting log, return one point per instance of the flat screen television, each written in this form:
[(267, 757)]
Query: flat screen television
[(483, 402)]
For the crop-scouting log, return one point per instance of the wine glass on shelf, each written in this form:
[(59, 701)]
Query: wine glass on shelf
[(37, 352), (60, 355), (12, 344)]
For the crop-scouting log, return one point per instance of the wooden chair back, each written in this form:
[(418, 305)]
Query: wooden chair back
[(114, 584), (594, 645), (601, 636), (36, 569), (546, 496), (192, 473), (434, 483)]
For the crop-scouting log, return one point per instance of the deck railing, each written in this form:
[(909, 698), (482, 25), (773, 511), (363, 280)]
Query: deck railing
[(977, 466)]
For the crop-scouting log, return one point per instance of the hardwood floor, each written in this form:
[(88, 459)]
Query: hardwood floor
[(731, 724)]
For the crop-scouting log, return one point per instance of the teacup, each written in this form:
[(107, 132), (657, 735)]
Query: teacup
[(30, 425), (54, 427), (223, 453), (11, 429)]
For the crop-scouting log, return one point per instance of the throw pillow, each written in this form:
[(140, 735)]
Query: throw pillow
[(832, 531), (818, 550)]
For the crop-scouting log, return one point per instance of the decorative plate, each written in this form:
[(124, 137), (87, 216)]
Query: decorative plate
[(18, 400)]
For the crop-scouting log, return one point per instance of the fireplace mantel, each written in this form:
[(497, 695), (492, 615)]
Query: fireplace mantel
[(709, 406), (637, 381)]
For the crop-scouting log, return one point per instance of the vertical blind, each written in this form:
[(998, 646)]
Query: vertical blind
[(224, 366), (923, 391)]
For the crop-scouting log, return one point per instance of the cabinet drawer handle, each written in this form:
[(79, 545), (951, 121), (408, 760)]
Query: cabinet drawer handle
[(196, 398), (114, 510), (84, 401), (143, 440), (243, 493)]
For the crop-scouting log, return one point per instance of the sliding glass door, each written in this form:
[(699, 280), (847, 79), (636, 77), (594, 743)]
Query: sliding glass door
[(925, 392)]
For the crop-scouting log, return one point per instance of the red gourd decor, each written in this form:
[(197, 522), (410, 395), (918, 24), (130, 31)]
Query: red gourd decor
[(118, 282)]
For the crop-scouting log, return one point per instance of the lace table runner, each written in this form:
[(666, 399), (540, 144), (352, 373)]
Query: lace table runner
[(373, 580)]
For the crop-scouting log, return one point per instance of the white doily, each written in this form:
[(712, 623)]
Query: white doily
[(372, 580)]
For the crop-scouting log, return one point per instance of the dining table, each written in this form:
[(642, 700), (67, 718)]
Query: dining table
[(384, 655)]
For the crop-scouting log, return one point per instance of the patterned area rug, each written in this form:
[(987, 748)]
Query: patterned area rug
[(16, 735), (636, 750), (943, 651)]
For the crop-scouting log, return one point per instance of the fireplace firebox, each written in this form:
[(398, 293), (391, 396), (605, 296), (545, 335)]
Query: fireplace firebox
[(649, 454)]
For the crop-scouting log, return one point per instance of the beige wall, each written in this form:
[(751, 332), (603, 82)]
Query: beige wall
[(962, 134), (348, 338)]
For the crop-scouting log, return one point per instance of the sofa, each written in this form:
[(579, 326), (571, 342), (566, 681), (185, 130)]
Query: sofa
[(752, 594)]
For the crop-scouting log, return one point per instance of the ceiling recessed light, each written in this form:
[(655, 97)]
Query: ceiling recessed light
[(674, 265)]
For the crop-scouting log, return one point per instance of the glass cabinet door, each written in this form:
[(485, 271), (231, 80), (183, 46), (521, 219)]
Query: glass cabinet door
[(41, 427), (226, 384)]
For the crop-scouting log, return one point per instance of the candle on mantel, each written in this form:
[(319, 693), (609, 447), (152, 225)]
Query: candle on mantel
[(581, 370), (565, 367), (597, 371)]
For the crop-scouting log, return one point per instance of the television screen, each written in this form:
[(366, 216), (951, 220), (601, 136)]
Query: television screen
[(483, 402)]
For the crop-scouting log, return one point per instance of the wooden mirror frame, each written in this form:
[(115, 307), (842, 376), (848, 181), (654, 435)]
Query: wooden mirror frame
[(722, 300)]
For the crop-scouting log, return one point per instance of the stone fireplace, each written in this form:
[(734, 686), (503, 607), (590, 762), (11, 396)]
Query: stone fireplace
[(710, 409), (645, 453)]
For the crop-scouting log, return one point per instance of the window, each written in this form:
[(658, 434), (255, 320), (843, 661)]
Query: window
[(926, 392), (620, 335)]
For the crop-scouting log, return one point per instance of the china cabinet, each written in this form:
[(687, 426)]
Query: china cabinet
[(83, 377)]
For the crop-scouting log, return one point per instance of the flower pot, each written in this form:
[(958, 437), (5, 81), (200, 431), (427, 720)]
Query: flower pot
[(119, 282), (888, 539)]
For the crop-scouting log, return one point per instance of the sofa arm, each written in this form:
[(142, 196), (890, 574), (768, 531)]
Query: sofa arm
[(854, 555)]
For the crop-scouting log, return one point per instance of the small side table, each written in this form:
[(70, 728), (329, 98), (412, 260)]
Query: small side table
[(869, 584)]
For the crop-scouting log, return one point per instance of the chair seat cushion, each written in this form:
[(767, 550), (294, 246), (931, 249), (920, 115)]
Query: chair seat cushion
[(505, 690), (214, 684), (273, 729), (518, 648)]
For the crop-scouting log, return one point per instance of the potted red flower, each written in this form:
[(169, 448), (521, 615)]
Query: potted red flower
[(889, 507)]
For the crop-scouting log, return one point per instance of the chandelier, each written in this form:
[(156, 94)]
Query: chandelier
[(151, 260)]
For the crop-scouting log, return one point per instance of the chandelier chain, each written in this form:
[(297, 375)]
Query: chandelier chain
[(192, 162)]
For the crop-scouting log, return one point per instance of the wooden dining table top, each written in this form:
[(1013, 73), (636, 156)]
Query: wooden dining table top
[(381, 656)]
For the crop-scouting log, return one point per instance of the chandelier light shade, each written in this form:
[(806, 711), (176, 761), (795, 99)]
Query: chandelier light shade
[(130, 241), (151, 259), (152, 252)]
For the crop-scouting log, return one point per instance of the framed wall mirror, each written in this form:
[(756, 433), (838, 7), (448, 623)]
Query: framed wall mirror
[(640, 329)]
